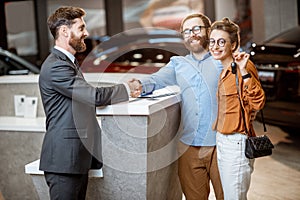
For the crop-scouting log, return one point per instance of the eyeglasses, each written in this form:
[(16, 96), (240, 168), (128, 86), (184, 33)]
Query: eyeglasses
[(195, 29), (221, 42)]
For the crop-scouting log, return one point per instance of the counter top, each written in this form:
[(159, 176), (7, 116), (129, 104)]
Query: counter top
[(160, 99), (19, 79), (135, 106), (138, 106), (11, 123), (33, 169)]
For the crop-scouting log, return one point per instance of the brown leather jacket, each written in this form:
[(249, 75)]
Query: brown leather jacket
[(229, 119)]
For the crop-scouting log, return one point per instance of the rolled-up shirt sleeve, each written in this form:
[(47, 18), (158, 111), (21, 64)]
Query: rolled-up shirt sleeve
[(252, 90)]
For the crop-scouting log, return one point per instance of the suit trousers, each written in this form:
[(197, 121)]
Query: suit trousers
[(197, 166), (66, 186)]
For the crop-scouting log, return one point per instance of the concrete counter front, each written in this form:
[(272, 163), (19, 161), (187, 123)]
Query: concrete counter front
[(139, 149)]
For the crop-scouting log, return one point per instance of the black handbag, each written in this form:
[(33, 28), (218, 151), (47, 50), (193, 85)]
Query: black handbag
[(256, 146)]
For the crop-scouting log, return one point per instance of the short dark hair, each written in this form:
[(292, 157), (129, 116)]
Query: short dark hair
[(231, 28), (63, 16)]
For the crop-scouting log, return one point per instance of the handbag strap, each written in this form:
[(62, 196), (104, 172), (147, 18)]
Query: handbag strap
[(233, 65), (238, 92), (263, 120)]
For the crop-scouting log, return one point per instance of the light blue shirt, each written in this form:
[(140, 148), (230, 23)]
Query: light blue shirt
[(198, 82)]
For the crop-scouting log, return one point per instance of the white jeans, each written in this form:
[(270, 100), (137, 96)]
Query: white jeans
[(235, 169)]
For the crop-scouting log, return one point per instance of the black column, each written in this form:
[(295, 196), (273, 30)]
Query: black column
[(209, 9), (113, 16), (298, 6), (40, 10), (3, 31)]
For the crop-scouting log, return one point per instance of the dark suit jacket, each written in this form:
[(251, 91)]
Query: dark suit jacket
[(73, 136)]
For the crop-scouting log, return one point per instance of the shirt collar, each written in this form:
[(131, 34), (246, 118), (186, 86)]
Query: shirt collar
[(204, 57), (68, 54)]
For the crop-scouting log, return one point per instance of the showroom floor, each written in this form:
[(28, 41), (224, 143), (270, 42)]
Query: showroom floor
[(277, 177)]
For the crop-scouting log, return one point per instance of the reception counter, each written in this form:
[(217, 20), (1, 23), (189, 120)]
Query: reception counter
[(139, 149), (139, 141)]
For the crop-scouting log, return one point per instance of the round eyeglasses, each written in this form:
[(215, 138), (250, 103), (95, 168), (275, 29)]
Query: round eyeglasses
[(195, 29), (220, 42)]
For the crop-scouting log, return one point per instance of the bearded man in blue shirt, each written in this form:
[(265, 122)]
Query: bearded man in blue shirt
[(197, 76)]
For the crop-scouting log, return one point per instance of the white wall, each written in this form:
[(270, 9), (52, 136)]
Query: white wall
[(225, 8)]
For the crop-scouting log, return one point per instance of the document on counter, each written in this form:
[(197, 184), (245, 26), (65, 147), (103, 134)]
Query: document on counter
[(164, 92)]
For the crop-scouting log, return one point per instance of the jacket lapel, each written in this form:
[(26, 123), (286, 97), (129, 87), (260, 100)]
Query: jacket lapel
[(63, 57)]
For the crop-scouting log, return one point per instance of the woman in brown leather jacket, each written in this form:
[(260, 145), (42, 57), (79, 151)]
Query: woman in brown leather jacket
[(235, 94)]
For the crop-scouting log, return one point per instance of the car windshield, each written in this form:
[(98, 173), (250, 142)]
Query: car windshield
[(12, 64), (9, 66)]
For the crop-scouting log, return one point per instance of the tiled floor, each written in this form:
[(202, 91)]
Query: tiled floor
[(277, 177)]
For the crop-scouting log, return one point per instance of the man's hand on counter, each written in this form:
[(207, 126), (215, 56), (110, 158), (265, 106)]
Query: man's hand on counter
[(135, 87)]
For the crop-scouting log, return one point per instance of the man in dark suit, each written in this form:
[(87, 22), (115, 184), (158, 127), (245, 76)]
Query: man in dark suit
[(72, 143)]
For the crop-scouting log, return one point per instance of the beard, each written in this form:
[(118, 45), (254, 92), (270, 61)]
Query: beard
[(77, 44), (201, 45)]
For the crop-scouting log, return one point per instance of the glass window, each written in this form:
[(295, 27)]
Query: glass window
[(20, 22)]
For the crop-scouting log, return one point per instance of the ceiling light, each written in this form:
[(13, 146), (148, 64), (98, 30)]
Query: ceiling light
[(159, 56), (137, 55)]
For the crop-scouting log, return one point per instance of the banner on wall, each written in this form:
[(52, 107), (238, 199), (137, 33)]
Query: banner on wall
[(169, 13)]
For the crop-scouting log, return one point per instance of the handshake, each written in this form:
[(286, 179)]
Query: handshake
[(135, 87)]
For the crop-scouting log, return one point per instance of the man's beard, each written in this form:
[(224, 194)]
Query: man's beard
[(77, 44), (201, 46)]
